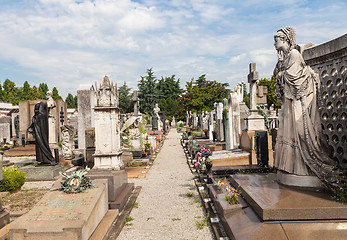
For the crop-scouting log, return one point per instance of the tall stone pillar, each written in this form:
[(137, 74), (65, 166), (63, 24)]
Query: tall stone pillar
[(107, 128)]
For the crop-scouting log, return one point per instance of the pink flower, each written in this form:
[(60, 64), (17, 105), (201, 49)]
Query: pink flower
[(197, 164)]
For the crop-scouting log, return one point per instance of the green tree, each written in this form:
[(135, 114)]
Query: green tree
[(2, 94), (56, 94), (202, 94), (70, 101), (43, 89), (35, 93), (271, 100), (11, 92), (147, 95), (125, 99), (169, 92), (26, 93)]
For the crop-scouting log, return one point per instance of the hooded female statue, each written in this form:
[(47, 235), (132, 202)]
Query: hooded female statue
[(298, 147), (39, 128)]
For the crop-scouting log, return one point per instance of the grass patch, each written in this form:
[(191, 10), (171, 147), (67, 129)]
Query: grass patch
[(175, 219), (202, 223), (189, 194), (136, 205), (128, 219), (22, 200)]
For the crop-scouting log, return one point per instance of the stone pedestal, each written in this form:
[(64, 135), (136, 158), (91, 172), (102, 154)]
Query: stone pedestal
[(299, 181), (41, 173), (63, 216), (255, 121), (118, 187)]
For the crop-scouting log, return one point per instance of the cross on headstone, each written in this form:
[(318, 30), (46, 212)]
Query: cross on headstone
[(253, 76)]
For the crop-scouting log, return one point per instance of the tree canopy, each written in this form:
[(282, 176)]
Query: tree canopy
[(202, 94), (125, 99)]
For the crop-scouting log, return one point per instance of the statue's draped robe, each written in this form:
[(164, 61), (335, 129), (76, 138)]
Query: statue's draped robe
[(298, 144), (39, 128)]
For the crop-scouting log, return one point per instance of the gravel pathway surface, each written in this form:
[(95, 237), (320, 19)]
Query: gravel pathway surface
[(168, 205)]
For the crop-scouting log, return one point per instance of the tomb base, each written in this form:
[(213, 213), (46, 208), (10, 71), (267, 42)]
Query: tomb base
[(107, 161), (118, 187), (41, 173), (269, 210), (63, 216)]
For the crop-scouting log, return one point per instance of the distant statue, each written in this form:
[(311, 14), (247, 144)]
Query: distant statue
[(156, 110), (298, 147), (156, 118), (50, 103), (39, 129), (67, 133)]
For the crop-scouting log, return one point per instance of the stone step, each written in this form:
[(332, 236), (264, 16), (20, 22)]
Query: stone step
[(105, 225), (122, 198)]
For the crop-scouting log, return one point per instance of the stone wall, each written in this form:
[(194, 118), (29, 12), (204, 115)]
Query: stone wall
[(329, 60)]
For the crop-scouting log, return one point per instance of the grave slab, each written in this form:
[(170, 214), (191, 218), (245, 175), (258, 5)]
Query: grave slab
[(59, 215), (230, 158), (40, 173), (272, 201)]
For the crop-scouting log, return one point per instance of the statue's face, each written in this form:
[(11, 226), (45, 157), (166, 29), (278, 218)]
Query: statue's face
[(280, 42)]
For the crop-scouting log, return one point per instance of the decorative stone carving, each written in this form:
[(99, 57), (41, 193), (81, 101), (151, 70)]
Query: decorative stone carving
[(51, 119), (107, 133), (67, 144), (299, 149)]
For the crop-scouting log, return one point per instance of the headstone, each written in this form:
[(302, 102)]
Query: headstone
[(219, 121), (107, 127), (136, 110), (85, 102), (254, 121), (211, 125), (187, 118), (67, 144), (15, 123), (5, 132), (227, 119)]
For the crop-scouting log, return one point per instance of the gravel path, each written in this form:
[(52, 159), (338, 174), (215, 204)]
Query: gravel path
[(168, 205)]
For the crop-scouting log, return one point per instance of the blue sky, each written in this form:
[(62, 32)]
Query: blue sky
[(67, 43)]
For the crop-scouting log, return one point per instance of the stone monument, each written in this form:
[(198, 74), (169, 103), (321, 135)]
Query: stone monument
[(51, 120), (254, 121), (107, 129), (300, 154), (136, 110), (67, 144), (219, 121), (108, 163)]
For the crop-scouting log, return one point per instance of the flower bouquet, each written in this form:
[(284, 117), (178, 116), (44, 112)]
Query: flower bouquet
[(204, 159)]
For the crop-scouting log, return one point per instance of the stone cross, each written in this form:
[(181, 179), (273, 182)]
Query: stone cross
[(253, 76), (136, 111)]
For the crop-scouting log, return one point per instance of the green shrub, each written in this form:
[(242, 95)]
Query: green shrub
[(11, 179)]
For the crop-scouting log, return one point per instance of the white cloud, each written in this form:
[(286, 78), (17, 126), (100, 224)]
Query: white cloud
[(66, 43)]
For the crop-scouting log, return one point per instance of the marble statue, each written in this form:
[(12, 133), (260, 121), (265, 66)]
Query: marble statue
[(39, 129), (67, 133), (298, 147), (52, 138)]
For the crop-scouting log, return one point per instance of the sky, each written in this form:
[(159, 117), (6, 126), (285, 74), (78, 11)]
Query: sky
[(67, 43)]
